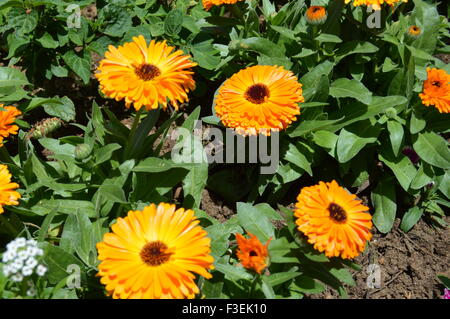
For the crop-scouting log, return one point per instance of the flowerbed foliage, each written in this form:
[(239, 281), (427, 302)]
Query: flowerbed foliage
[(362, 104)]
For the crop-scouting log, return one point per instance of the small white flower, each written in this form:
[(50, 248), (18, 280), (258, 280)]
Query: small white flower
[(18, 264), (38, 252), (11, 246), (31, 262), (31, 242), (22, 255), (6, 270), (20, 242), (17, 277), (41, 270), (27, 271), (31, 292)]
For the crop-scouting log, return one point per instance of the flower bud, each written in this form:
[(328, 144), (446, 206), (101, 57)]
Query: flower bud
[(82, 151)]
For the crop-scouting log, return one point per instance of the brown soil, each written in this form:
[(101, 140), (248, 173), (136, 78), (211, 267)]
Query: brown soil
[(409, 262)]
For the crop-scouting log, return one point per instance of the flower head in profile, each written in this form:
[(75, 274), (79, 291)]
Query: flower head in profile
[(436, 90), (316, 15), (146, 75), (8, 115), (154, 253), (8, 195), (259, 99), (252, 253), (334, 221), (376, 4), (208, 4)]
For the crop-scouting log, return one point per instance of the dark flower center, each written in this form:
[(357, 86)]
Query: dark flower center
[(257, 93), (436, 83), (154, 253), (147, 71), (316, 9), (337, 213), (253, 253)]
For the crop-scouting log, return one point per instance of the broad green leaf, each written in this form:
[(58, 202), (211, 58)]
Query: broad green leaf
[(80, 65), (352, 139), (396, 135), (401, 166), (410, 218), (353, 47), (301, 155), (60, 107), (48, 42), (350, 88), (432, 149), (383, 199), (260, 45), (173, 22), (328, 38), (253, 221), (113, 193), (276, 279), (10, 77), (326, 140)]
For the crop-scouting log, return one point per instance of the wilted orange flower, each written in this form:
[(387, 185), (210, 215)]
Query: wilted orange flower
[(7, 118), (333, 220), (207, 4), (259, 99), (146, 75), (8, 195), (252, 253), (316, 15), (376, 4), (153, 253), (436, 90)]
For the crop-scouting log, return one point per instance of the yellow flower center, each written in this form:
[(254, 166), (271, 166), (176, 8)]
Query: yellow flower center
[(155, 253), (337, 213), (147, 72), (257, 93)]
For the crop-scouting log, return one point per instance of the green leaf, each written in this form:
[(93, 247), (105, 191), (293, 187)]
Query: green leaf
[(104, 153), (328, 38), (253, 221), (350, 88), (326, 140), (260, 45), (64, 206), (432, 149), (173, 22), (396, 135), (353, 138), (60, 107), (48, 42), (267, 288), (353, 47), (383, 199), (154, 165), (80, 65), (281, 277), (301, 155), (401, 166), (410, 218), (22, 21), (311, 80), (120, 22), (10, 77), (306, 284), (113, 193)]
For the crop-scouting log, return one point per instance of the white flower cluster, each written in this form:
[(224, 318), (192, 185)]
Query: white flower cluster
[(21, 259)]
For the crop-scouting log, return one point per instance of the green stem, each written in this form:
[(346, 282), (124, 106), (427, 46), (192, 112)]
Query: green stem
[(256, 279), (128, 147)]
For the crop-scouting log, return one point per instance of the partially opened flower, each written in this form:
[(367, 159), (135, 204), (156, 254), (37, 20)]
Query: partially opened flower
[(436, 90), (7, 117), (146, 75), (8, 195), (259, 99), (208, 4), (376, 4), (252, 253), (316, 15), (335, 221), (154, 253), (413, 32)]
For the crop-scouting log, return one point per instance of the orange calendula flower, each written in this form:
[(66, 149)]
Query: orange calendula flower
[(376, 4), (436, 90), (414, 31), (208, 4), (259, 99), (316, 15), (8, 195), (7, 118), (153, 253), (335, 221), (252, 253), (146, 75)]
